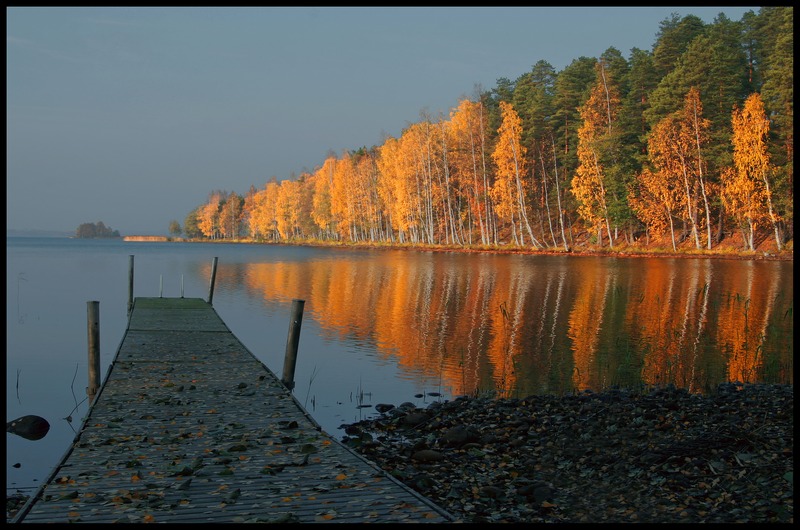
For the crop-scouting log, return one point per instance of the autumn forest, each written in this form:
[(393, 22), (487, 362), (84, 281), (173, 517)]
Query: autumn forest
[(686, 147)]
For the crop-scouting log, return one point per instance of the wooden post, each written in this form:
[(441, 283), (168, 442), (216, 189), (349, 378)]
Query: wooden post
[(93, 317), (181, 285), (161, 286), (213, 277), (290, 358), (130, 285)]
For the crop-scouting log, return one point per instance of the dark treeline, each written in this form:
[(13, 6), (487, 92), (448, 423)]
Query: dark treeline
[(95, 230), (686, 144)]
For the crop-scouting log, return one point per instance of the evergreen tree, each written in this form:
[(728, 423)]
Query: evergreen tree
[(533, 101), (190, 227), (715, 62), (572, 88), (504, 91), (175, 228), (772, 33), (641, 81), (673, 38)]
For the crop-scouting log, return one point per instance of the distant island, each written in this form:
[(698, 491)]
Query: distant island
[(95, 230)]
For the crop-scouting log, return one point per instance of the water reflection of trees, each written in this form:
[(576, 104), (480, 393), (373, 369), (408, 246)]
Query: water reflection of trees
[(668, 321), (521, 325)]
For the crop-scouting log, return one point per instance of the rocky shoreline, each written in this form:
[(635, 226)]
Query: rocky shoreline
[(660, 456)]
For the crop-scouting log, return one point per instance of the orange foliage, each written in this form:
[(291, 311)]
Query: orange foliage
[(599, 114), (286, 210), (263, 212), (468, 164), (323, 182), (512, 185), (208, 216), (746, 189)]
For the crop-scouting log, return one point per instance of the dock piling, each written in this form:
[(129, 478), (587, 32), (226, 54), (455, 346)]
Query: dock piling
[(213, 277), (93, 328), (130, 284), (290, 358)]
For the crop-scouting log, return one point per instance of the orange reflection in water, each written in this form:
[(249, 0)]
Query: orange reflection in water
[(585, 321), (523, 325), (669, 319), (743, 323)]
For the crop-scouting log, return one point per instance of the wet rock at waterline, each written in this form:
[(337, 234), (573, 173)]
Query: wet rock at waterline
[(29, 427)]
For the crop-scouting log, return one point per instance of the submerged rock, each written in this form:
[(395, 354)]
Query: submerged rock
[(29, 427)]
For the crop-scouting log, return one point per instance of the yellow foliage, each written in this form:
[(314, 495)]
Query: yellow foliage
[(746, 191)]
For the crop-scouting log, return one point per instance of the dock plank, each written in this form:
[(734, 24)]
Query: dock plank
[(190, 427)]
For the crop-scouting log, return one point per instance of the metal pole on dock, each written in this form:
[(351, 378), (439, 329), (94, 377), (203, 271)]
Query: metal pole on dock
[(130, 284), (213, 277), (290, 359), (93, 317)]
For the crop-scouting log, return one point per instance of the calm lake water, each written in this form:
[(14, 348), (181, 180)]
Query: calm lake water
[(386, 326)]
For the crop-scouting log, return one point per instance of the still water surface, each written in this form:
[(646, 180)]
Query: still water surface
[(386, 326)]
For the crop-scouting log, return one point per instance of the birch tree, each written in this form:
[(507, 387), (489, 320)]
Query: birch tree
[(511, 187), (468, 163), (321, 208), (588, 185), (746, 187), (695, 127), (208, 216)]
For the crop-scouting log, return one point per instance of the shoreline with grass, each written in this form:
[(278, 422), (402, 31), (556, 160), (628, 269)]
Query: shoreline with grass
[(764, 252)]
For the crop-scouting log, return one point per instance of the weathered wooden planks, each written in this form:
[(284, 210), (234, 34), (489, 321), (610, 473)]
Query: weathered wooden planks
[(190, 427)]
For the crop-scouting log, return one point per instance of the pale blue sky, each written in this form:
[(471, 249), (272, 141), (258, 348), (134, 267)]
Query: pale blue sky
[(131, 116)]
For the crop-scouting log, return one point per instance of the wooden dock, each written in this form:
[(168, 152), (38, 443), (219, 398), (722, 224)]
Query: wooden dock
[(189, 427)]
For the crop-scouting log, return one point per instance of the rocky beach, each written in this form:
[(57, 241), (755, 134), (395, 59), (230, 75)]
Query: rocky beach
[(659, 456)]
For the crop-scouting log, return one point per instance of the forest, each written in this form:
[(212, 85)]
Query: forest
[(685, 147)]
